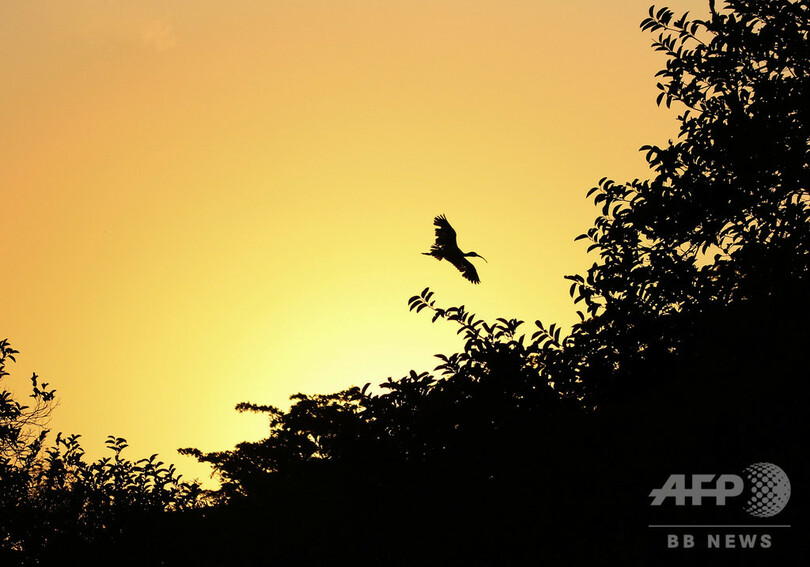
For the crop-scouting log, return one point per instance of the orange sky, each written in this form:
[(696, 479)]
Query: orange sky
[(205, 203)]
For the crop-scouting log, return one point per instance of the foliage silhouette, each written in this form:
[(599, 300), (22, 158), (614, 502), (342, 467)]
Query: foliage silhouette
[(55, 506), (688, 357), (688, 352), (22, 428)]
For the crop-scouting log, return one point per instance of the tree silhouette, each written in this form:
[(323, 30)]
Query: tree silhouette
[(22, 434), (689, 349), (55, 507), (725, 217)]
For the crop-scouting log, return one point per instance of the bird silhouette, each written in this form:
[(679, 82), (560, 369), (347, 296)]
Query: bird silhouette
[(445, 248)]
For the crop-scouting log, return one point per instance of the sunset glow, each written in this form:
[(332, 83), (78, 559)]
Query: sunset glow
[(205, 203)]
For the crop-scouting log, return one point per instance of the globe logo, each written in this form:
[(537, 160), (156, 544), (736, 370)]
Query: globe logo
[(768, 490)]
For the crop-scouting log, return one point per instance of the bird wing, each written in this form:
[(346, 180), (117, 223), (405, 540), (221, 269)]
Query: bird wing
[(466, 268), (445, 235)]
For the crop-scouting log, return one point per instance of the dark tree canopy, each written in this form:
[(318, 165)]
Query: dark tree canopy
[(725, 217), (56, 507), (689, 349)]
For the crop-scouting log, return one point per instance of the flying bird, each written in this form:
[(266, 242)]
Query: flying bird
[(445, 248)]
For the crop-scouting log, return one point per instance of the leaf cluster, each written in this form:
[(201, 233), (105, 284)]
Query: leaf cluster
[(52, 499)]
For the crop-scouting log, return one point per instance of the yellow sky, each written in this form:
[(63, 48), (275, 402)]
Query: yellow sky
[(209, 202)]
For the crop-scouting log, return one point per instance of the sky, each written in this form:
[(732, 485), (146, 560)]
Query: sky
[(205, 203)]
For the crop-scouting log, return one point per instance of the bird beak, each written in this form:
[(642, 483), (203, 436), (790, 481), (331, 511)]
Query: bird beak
[(484, 259)]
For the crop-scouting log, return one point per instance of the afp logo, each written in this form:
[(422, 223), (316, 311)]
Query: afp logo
[(763, 487)]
